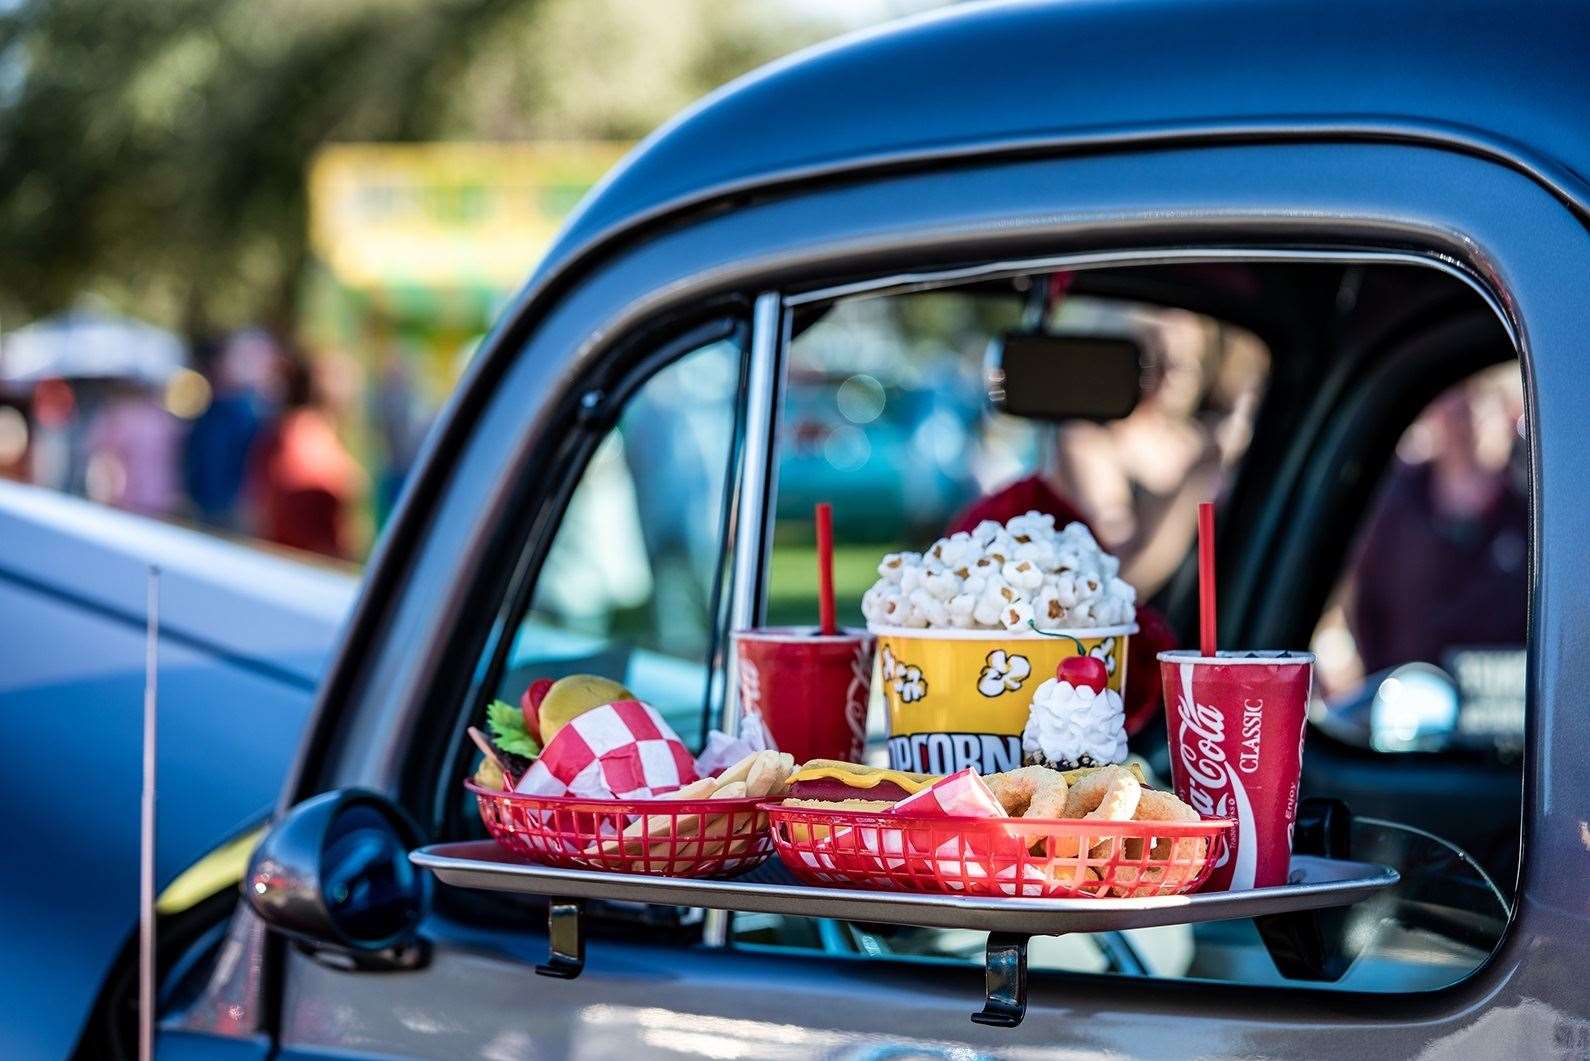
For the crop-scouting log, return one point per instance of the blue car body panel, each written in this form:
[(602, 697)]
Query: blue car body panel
[(244, 638), (980, 79)]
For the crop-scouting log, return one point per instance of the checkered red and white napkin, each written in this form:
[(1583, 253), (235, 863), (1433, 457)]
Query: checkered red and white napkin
[(981, 864), (622, 750), (962, 795)]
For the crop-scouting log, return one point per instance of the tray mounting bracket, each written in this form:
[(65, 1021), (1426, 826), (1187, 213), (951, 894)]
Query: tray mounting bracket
[(565, 939), (1004, 980)]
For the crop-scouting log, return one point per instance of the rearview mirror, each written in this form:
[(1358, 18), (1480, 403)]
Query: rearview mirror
[(1064, 377), (334, 875)]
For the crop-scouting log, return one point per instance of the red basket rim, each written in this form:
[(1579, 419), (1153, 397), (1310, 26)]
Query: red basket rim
[(842, 816), (655, 805)]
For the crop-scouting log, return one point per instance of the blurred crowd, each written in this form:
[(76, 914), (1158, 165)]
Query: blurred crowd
[(256, 439)]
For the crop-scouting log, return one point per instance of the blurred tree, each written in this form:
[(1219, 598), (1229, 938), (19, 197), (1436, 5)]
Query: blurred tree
[(154, 151)]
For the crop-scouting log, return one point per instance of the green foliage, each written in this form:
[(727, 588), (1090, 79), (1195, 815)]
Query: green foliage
[(155, 151), (508, 731)]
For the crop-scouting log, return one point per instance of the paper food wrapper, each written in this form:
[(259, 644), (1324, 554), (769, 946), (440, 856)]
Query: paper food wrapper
[(622, 750), (723, 751), (977, 864)]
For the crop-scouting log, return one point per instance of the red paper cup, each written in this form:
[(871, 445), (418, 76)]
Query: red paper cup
[(811, 689), (1236, 722)]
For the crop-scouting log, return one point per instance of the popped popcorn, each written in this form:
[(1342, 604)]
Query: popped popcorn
[(1003, 577)]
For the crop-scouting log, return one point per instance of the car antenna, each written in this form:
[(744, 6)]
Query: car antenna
[(146, 829)]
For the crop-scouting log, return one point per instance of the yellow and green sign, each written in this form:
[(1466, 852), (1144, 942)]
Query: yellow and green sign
[(445, 215)]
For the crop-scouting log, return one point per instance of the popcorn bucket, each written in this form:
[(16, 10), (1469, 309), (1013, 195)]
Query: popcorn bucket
[(960, 698)]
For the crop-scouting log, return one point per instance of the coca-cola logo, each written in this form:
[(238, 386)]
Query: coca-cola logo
[(1205, 771)]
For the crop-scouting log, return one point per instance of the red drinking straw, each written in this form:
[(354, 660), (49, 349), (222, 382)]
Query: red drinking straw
[(1206, 578), (825, 568)]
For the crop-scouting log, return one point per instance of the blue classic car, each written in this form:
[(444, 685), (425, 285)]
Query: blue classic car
[(1346, 241)]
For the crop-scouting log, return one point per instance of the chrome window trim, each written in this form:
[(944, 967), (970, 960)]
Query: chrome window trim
[(753, 517), (753, 521), (908, 283)]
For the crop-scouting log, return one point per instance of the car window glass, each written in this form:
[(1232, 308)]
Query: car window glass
[(887, 416), (628, 589), (1422, 648)]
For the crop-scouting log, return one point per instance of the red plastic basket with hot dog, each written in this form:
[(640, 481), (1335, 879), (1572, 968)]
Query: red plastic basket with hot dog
[(956, 837)]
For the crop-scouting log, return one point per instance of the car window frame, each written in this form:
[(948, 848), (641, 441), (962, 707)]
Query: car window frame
[(523, 565), (1439, 371), (1547, 664), (1395, 389)]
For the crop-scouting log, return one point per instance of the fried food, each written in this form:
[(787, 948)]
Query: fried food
[(1031, 792), (661, 836), (769, 773), (1021, 791), (1073, 776), (1178, 858), (491, 773), (1109, 794), (1156, 806)]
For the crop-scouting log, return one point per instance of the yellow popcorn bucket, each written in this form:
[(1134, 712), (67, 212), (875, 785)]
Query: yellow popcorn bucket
[(959, 698)]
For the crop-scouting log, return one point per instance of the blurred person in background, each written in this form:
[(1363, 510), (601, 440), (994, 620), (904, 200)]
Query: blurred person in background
[(50, 442), (400, 419), (1441, 564), (132, 445), (302, 479), (14, 440), (247, 386), (1137, 481)]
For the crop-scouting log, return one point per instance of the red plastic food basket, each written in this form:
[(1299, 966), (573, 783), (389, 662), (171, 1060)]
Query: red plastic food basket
[(1026, 857), (666, 837)]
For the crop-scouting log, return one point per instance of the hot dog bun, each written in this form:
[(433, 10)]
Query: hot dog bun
[(830, 780)]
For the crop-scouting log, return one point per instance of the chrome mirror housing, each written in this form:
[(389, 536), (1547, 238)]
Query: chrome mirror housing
[(333, 874)]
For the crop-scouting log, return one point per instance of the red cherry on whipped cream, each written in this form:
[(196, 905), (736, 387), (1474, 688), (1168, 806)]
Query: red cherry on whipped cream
[(1083, 670)]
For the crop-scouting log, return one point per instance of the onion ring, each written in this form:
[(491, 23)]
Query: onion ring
[(1020, 790), (1178, 858)]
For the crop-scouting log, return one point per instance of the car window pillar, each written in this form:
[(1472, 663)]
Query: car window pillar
[(753, 520)]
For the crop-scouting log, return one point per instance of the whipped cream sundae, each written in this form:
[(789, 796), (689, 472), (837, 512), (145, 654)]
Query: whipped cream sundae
[(1004, 577), (1076, 719)]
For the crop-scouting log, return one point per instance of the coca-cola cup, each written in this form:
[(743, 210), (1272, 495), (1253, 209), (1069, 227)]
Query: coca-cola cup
[(809, 688), (1236, 723)]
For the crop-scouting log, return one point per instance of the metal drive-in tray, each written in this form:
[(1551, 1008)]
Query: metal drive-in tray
[(1314, 883)]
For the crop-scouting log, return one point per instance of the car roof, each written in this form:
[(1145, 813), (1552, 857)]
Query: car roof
[(989, 77)]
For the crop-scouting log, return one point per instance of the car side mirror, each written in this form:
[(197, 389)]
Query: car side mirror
[(1415, 708), (333, 874), (1064, 377), (1410, 707)]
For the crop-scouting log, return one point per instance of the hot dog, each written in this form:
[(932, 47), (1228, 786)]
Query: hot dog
[(829, 780)]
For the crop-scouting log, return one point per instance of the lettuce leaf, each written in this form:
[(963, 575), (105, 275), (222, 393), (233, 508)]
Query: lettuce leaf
[(507, 730)]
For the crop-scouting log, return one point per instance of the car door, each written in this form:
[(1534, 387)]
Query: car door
[(492, 500)]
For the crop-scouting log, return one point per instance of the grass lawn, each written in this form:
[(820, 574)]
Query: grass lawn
[(792, 582)]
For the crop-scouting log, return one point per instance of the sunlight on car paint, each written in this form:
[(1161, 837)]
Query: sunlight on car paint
[(221, 868)]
